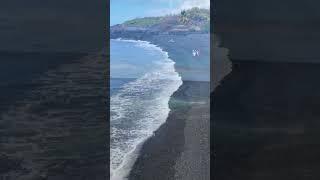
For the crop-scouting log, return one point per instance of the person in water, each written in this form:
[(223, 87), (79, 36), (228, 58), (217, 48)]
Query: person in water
[(195, 52)]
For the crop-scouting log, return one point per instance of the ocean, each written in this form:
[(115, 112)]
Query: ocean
[(143, 78)]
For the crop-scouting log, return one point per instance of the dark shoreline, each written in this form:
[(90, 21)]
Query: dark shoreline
[(160, 153), (160, 156)]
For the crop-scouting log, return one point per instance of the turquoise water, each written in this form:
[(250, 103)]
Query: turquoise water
[(191, 68)]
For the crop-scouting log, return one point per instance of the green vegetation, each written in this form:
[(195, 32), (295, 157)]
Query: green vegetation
[(183, 17), (198, 14), (144, 22), (195, 14), (195, 18)]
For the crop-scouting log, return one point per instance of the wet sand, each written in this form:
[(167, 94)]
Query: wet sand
[(194, 161), (180, 147)]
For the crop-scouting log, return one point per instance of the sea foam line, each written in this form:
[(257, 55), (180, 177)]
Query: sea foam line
[(162, 82)]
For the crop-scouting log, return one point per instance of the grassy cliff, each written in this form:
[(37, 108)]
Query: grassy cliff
[(194, 19)]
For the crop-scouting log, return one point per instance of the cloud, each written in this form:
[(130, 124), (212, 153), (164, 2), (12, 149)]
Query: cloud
[(187, 4), (179, 6)]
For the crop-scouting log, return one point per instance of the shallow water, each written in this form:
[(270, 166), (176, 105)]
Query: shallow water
[(143, 80)]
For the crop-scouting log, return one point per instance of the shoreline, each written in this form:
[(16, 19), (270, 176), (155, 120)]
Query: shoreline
[(159, 156), (123, 170), (180, 51), (162, 155)]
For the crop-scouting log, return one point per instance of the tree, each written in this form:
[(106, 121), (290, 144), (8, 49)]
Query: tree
[(183, 16)]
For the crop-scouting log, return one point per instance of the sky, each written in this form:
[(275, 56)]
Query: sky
[(122, 10)]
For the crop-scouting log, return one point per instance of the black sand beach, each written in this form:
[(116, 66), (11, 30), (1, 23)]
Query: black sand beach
[(53, 117), (180, 147)]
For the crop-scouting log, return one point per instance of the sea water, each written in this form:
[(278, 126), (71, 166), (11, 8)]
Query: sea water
[(143, 78)]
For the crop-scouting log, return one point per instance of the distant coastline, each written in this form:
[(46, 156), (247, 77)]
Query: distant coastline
[(195, 88)]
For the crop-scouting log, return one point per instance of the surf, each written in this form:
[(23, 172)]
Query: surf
[(140, 106)]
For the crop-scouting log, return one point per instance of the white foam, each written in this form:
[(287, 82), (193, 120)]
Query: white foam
[(145, 99), (142, 44)]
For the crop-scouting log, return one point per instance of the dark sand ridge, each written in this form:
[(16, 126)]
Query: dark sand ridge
[(265, 112), (57, 130)]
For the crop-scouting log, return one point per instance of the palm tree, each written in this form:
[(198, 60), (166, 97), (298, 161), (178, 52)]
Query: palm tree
[(183, 16)]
